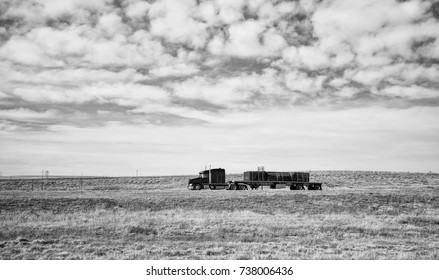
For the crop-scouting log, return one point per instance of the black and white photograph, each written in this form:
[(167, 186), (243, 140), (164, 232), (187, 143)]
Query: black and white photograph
[(219, 130)]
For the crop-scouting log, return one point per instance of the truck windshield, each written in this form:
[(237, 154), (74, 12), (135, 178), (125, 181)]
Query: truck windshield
[(204, 175)]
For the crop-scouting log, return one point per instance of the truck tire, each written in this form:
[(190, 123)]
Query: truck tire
[(212, 187), (197, 187), (241, 187)]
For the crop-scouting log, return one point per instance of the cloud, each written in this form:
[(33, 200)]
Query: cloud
[(38, 12), (122, 94), (225, 92), (180, 69), (3, 95), (410, 92), (24, 51), (374, 75), (172, 20), (346, 20), (112, 24), (338, 82), (70, 77), (137, 10), (346, 92), (299, 81), (374, 28), (249, 39), (48, 47), (244, 92), (310, 57), (24, 114), (401, 73), (230, 11), (50, 94)]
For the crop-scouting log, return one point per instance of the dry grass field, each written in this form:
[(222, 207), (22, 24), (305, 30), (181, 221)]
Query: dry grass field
[(358, 215)]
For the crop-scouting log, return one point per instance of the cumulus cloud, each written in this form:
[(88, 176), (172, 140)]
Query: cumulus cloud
[(249, 39), (173, 21), (372, 27), (299, 81), (137, 10), (234, 93), (311, 44), (112, 24), (23, 51)]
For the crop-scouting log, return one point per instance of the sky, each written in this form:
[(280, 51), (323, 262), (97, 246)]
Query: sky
[(108, 87)]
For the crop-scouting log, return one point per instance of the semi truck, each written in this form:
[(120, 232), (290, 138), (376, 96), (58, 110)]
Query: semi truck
[(215, 179)]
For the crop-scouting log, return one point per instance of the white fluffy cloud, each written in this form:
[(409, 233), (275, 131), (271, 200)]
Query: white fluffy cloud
[(23, 51), (137, 10), (249, 39), (299, 81), (372, 27), (232, 92), (172, 20)]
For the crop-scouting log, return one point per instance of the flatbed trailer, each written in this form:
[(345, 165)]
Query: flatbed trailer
[(245, 185)]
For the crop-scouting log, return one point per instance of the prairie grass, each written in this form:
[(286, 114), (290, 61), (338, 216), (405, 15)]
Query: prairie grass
[(363, 222)]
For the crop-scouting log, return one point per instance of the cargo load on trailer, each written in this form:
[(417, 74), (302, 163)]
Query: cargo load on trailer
[(216, 179)]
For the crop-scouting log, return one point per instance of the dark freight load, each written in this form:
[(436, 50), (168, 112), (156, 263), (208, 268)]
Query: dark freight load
[(216, 179), (264, 176)]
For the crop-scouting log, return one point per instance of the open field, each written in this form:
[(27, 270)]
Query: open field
[(358, 215)]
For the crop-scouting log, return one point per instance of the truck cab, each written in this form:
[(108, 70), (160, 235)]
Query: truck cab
[(211, 178)]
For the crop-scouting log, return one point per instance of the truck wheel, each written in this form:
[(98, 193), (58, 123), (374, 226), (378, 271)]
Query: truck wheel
[(212, 187), (241, 187), (197, 187)]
